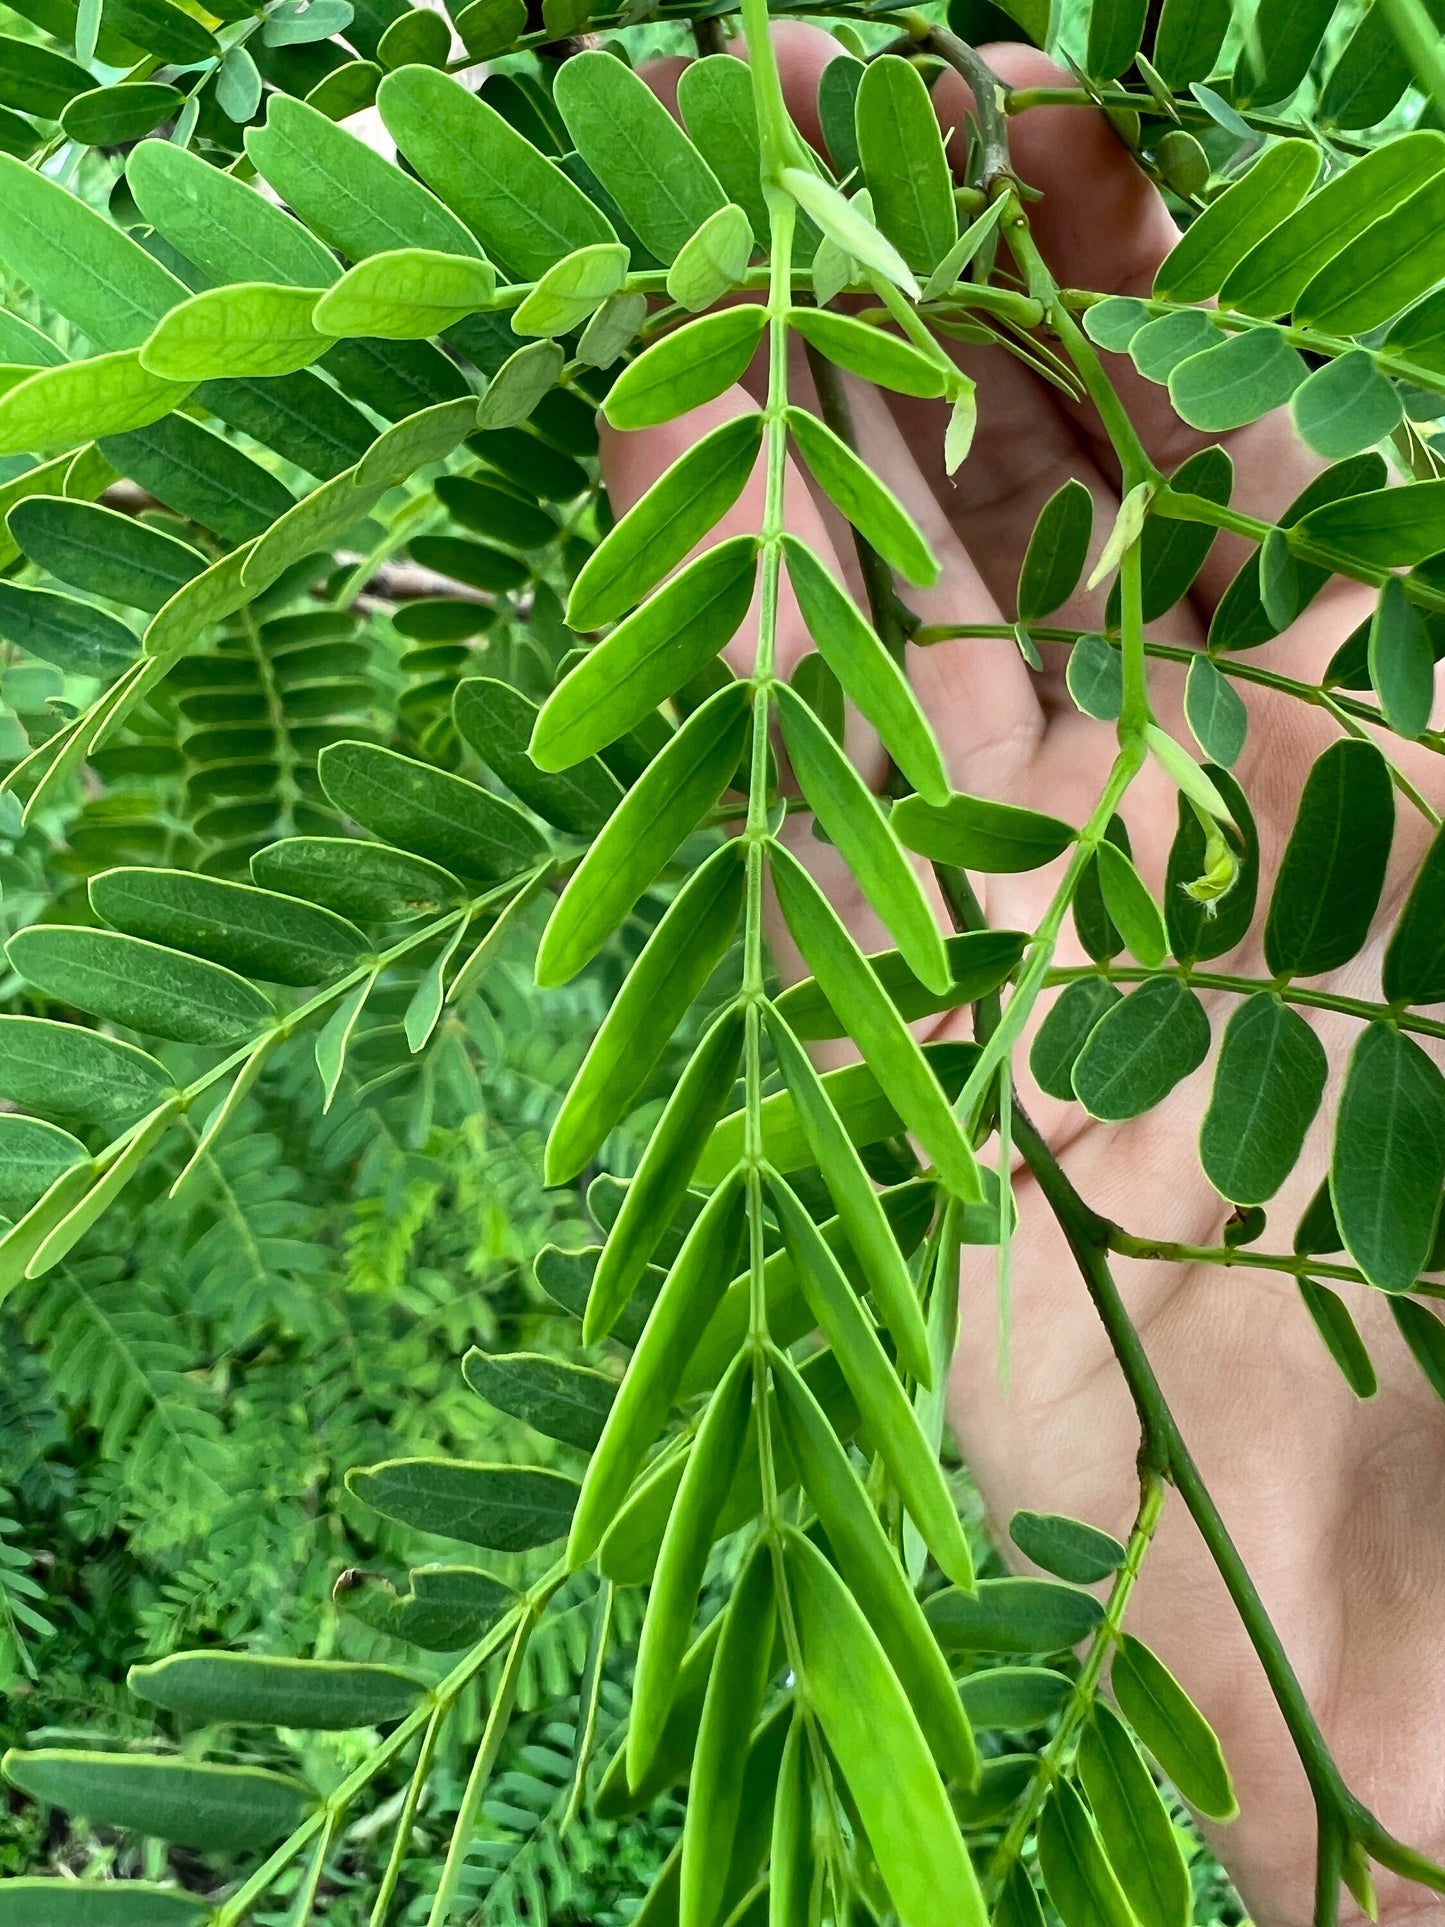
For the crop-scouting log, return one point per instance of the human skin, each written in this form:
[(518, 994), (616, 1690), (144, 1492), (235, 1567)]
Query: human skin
[(1337, 1506)]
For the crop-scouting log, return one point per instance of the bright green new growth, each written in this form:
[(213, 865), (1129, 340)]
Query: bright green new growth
[(378, 700)]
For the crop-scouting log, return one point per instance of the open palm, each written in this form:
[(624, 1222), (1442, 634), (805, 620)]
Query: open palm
[(1337, 1506)]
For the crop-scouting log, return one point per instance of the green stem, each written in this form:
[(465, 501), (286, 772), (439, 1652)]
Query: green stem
[(401, 1840), (1292, 993), (1419, 37)]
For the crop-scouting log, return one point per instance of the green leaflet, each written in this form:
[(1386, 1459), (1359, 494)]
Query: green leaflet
[(141, 985), (428, 811), (687, 1300), (208, 598), (255, 329), (616, 1795), (857, 826), (649, 656), (1160, 345), (1140, 1049), (414, 442), (1414, 971), (355, 879), (446, 1607), (1387, 528), (900, 146), (1401, 661), (37, 79), (690, 366), (1277, 56), (202, 476), (32, 1156), (1267, 1088), (1388, 1162), (1341, 1338), (1215, 712), (979, 962), (1057, 551), (734, 1694), (1346, 406), (882, 1402), (1116, 33), (497, 721), (161, 29), (1172, 1728), (572, 289), (74, 635), (1018, 1904), (405, 294), (493, 509), (1229, 227), (227, 228), (681, 507), (1138, 1833), (555, 1397), (103, 552), (872, 1020), (663, 807), (1017, 1697), (716, 103), (679, 958), (1071, 1550), (317, 1694), (859, 1209), (714, 261), (1273, 275), (672, 1601), (111, 116), (82, 400), (1333, 868), (858, 495), (1424, 1333), (1114, 321), (873, 1574), (1127, 902), (884, 1759), (1077, 1877), (975, 834), (1095, 676), (874, 683), (644, 160), (869, 352), (848, 227), (257, 932), (1237, 382), (97, 1903), (213, 1808), (790, 1855), (1399, 257), (508, 1508), (524, 208)]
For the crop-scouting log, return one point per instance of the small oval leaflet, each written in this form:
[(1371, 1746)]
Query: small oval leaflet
[(556, 1397), (1267, 1088), (1140, 1049), (1072, 1550), (320, 1695), (507, 1508), (1013, 1616), (428, 811)]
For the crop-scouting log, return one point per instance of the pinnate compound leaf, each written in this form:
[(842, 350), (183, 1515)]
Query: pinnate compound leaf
[(428, 811), (1341, 1337), (1077, 1877), (1333, 868), (1388, 1163), (1268, 1084), (315, 1694), (858, 495), (1057, 551), (1172, 1728), (1068, 1548), (507, 1508), (1140, 1049), (75, 1076), (213, 1808), (976, 834), (142, 985), (560, 1399), (686, 368), (1137, 1830)]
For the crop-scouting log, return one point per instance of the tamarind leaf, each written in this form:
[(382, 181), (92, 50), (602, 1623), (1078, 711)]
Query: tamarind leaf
[(662, 1176), (1401, 661), (354, 878), (1173, 1729), (507, 1508), (229, 230), (1333, 868), (101, 551), (912, 1465), (790, 1859), (519, 384), (212, 1808), (692, 365), (405, 294), (97, 1903), (1140, 1049), (873, 1574), (1243, 378), (1065, 1031), (672, 1602), (1345, 406), (254, 328), (497, 721), (1077, 1877), (1376, 529), (1056, 553), (38, 79), (1160, 345), (446, 1606), (1268, 1084), (79, 401), (1018, 1904), (428, 811), (1139, 1836), (162, 29), (1388, 1161), (716, 104), (735, 1689), (649, 656), (1012, 1616), (490, 507), (639, 153), (1215, 712), (1342, 1340), (316, 1694), (1095, 677), (663, 807), (572, 289), (108, 116), (878, 1745), (1414, 970), (1114, 321), (75, 636), (837, 113), (144, 986), (1396, 259), (685, 502), (869, 352), (864, 501), (659, 990), (1196, 267), (1133, 911), (33, 1155), (202, 476), (714, 261), (477, 564), (1116, 31), (977, 834), (979, 961), (1424, 1334), (900, 147), (873, 1021), (554, 1396), (1278, 51), (1068, 1548), (1015, 1697), (74, 1076)]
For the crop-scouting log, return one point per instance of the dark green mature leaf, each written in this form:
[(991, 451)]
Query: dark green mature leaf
[(1139, 1836), (858, 495), (356, 879), (74, 635), (108, 116), (1095, 675), (884, 1759), (37, 79), (498, 722), (32, 1156), (508, 1508), (105, 553), (1140, 1049), (1172, 1727), (975, 834), (1077, 1877), (1229, 227), (556, 1397), (1116, 33), (260, 933), (1414, 970), (1172, 553), (97, 1903), (1057, 551), (1017, 1905), (317, 1694), (1424, 1332), (200, 475), (1066, 1547), (1401, 661), (141, 985), (1217, 717), (446, 1608), (77, 1076), (1013, 1616), (1268, 1084), (900, 146), (1065, 1031), (1333, 868), (214, 1808), (1129, 906), (1388, 1163), (979, 961), (1278, 53), (1194, 932), (1017, 1697), (1341, 1337), (428, 811)]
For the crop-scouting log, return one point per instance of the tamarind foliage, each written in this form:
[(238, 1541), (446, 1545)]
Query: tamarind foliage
[(334, 686)]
